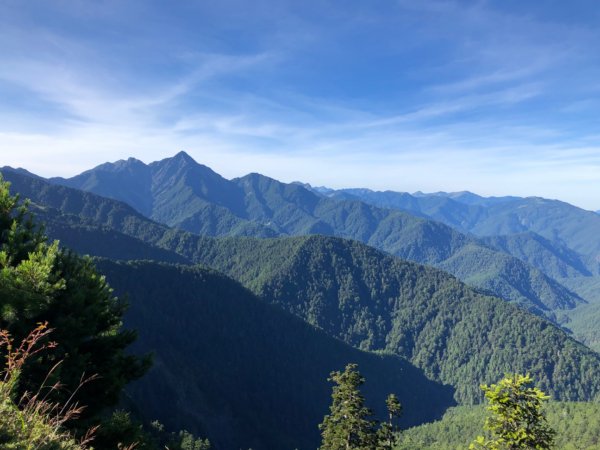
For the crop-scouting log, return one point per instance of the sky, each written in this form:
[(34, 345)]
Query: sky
[(496, 97)]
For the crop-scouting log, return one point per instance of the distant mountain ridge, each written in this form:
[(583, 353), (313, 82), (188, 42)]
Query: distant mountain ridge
[(176, 191), (562, 224), (190, 196)]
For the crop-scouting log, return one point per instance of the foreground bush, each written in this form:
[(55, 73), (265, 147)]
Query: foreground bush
[(31, 422)]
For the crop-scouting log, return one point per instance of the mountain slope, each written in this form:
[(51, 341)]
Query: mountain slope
[(240, 371), (555, 220), (176, 191), (551, 258), (191, 196), (377, 302), (561, 224)]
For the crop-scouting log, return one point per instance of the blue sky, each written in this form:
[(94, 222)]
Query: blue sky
[(496, 97)]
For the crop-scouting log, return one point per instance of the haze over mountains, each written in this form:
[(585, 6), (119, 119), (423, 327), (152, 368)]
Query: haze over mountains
[(357, 288)]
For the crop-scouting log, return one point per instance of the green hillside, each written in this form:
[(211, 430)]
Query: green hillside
[(585, 319), (244, 373), (377, 302), (508, 277), (577, 426), (552, 258)]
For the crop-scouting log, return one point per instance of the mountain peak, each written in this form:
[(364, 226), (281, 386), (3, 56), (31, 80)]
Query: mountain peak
[(179, 161), (21, 171), (182, 155)]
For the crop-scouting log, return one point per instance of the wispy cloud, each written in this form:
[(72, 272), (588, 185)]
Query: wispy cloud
[(428, 95)]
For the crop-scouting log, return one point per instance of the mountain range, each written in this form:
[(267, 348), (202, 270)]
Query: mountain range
[(563, 224), (181, 193), (533, 271), (296, 281)]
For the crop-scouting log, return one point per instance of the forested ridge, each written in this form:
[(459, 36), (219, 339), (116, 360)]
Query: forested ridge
[(377, 302), (243, 372), (179, 192)]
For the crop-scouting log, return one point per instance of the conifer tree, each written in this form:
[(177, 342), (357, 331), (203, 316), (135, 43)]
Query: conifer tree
[(39, 282), (387, 433), (349, 425), (517, 420)]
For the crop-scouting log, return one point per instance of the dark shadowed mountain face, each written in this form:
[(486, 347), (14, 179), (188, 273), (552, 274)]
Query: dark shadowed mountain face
[(190, 196), (244, 373)]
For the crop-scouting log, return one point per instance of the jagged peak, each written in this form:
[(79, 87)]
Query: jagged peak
[(183, 155), (181, 158)]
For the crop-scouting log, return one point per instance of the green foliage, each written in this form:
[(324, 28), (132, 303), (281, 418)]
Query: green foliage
[(349, 425), (120, 431), (577, 426), (376, 302), (41, 283), (517, 419), (387, 435)]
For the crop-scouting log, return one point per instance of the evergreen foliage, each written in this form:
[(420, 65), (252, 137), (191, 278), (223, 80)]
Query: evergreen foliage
[(349, 425), (121, 431), (377, 302), (41, 283), (577, 426), (240, 371), (387, 435)]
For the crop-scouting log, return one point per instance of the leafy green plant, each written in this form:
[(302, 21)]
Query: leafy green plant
[(517, 420)]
